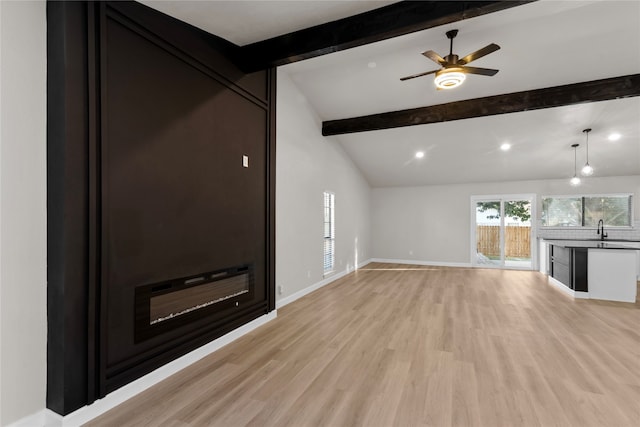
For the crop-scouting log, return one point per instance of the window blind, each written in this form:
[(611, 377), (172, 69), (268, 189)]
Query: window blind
[(329, 231)]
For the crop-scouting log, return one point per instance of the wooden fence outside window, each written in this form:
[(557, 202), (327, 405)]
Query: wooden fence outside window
[(517, 241)]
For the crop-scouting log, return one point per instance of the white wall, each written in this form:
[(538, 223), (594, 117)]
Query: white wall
[(308, 164), (432, 223), (23, 331)]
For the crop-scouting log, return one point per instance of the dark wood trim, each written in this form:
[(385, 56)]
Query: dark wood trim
[(557, 96), (93, 266), (379, 24), (67, 207), (102, 267), (271, 192)]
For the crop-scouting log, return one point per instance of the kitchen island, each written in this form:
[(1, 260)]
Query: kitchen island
[(594, 269)]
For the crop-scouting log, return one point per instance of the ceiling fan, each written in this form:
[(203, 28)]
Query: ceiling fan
[(453, 69)]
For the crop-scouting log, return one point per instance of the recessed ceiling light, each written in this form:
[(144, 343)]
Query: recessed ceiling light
[(614, 137), (505, 147), (419, 154), (372, 64)]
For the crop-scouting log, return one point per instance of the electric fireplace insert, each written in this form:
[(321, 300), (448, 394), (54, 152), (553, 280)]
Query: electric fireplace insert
[(161, 307)]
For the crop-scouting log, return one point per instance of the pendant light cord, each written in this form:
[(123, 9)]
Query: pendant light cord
[(575, 180), (587, 147), (587, 132)]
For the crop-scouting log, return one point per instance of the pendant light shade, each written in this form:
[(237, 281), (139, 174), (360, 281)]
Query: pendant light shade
[(575, 181), (587, 170)]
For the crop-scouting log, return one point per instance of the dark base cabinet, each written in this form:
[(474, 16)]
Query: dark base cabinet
[(579, 270), (569, 266)]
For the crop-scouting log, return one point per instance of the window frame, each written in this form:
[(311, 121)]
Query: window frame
[(582, 220)]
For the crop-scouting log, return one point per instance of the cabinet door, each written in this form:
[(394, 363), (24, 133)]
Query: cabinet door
[(560, 265), (562, 255), (562, 273), (580, 270)]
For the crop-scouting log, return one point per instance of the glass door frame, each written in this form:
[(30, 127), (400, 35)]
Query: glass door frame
[(502, 198)]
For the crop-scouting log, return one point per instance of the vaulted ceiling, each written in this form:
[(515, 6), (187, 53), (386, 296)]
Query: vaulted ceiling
[(543, 44)]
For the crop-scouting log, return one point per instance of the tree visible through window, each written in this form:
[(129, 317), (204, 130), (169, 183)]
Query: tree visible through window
[(329, 231), (614, 211), (562, 211), (516, 209), (586, 211)]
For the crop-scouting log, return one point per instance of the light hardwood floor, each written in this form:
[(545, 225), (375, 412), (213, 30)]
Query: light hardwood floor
[(397, 345)]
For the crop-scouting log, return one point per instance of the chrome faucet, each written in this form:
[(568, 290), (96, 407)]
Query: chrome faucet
[(601, 230)]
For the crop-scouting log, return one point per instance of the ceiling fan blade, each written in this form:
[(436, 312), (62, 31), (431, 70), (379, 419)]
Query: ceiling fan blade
[(434, 57), (481, 71), (479, 54), (418, 75)]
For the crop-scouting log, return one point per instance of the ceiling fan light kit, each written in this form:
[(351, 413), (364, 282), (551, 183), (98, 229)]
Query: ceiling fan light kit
[(454, 69), (449, 78)]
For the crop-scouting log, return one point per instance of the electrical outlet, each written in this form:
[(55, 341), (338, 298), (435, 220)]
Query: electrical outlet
[(280, 289), (309, 274)]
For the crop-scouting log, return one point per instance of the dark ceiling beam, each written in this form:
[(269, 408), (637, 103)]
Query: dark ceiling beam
[(379, 24), (557, 96)]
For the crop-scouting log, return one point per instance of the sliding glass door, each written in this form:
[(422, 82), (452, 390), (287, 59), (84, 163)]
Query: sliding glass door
[(488, 233), (502, 230)]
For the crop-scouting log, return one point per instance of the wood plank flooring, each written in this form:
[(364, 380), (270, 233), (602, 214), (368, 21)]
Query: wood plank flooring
[(398, 345)]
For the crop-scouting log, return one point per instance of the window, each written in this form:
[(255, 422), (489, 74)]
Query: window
[(561, 212), (585, 211), (615, 211), (329, 231)]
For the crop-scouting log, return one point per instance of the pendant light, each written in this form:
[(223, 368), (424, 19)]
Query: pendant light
[(575, 181), (587, 170)]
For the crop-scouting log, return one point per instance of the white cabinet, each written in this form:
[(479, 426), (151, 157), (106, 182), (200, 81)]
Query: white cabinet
[(612, 274), (543, 258)]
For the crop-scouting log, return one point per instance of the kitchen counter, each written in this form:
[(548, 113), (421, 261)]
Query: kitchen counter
[(594, 244), (613, 268)]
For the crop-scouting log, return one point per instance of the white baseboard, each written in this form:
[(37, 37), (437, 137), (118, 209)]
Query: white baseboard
[(44, 417), (48, 418), (416, 262), (291, 298), (562, 287), (581, 295)]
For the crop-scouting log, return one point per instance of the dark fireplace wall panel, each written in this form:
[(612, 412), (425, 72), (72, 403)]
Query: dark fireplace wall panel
[(177, 200), (153, 156)]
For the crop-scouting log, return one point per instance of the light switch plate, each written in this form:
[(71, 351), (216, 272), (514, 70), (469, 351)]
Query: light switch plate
[(245, 161)]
